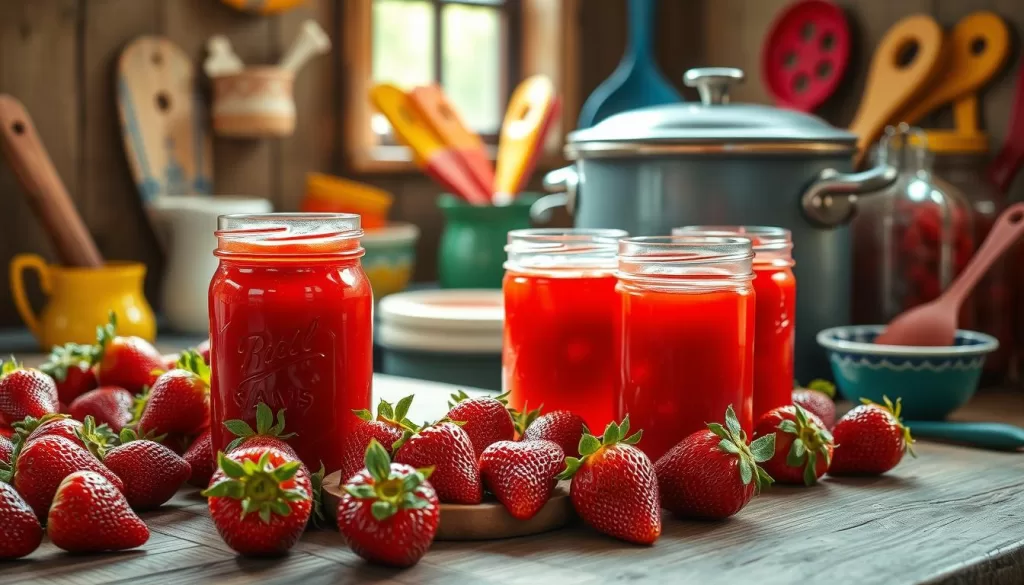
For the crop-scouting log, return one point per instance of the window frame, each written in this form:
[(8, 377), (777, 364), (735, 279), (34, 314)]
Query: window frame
[(549, 45)]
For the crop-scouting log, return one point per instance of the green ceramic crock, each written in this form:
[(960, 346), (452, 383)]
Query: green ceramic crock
[(472, 249)]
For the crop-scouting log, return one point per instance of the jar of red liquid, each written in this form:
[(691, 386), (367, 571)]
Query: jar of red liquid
[(560, 302), (291, 326), (774, 331), (685, 338)]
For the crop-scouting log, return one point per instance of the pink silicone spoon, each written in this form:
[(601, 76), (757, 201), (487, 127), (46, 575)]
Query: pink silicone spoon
[(934, 323)]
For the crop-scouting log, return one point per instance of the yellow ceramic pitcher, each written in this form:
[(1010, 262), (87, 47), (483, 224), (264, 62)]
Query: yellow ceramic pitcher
[(79, 299)]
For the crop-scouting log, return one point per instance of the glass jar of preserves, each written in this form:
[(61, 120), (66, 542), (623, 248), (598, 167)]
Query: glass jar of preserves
[(685, 340), (559, 290), (291, 326)]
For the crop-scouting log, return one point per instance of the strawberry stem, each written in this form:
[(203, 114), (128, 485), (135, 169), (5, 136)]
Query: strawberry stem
[(258, 484), (391, 491), (590, 445)]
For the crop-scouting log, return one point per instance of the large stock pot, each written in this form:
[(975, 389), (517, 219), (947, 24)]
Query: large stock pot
[(719, 163)]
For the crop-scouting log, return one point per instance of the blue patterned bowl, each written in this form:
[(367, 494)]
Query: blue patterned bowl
[(932, 381)]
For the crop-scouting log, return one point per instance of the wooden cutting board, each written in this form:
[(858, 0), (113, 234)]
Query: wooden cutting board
[(485, 521), (163, 120)]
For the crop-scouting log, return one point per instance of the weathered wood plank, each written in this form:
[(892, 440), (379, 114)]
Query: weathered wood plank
[(32, 34)]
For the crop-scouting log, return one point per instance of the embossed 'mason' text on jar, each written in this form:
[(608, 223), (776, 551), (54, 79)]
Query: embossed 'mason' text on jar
[(291, 322)]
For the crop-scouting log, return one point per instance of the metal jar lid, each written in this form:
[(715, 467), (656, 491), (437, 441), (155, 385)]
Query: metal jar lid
[(713, 126)]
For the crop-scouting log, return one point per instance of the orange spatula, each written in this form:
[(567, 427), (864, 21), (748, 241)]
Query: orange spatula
[(434, 107), (530, 114), (430, 153)]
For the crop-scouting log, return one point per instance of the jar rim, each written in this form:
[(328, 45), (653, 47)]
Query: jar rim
[(686, 248), (763, 238), (288, 234), (564, 250), (682, 261)]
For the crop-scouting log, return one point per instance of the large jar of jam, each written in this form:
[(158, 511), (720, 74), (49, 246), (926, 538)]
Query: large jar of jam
[(685, 341), (291, 326), (560, 306), (774, 331)]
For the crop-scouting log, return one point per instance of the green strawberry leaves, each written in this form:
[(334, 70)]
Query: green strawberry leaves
[(809, 443), (191, 361), (62, 357), (523, 419), (734, 442), (392, 490), (395, 415), (591, 445), (895, 410), (259, 485), (265, 426), (824, 386)]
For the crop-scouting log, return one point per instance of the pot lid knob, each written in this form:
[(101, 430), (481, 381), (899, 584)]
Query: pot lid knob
[(713, 83)]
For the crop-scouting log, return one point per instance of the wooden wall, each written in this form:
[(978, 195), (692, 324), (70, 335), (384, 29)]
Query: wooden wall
[(58, 57)]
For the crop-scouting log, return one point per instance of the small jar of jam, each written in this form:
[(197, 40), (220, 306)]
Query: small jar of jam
[(560, 301), (291, 326), (685, 341), (774, 331)]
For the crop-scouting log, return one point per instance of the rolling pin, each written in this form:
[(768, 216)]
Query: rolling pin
[(47, 195)]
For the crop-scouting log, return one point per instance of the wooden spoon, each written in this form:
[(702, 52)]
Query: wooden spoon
[(934, 323), (47, 194)]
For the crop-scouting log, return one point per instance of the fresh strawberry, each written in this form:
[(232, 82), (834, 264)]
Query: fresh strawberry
[(20, 532), (6, 451), (25, 392), (614, 488), (97, 439), (267, 433), (870, 439), (560, 426), (485, 419), (521, 474), (90, 514), (127, 362), (803, 446), (389, 512), (447, 448), (714, 473), (203, 349), (388, 428), (179, 401), (71, 368), (817, 398), (200, 457), (170, 360), (260, 500), (109, 405), (45, 462), (151, 472)]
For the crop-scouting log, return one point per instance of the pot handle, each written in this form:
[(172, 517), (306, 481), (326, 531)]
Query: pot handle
[(831, 199), (563, 184)]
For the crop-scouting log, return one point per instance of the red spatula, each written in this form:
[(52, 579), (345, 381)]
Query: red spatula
[(1008, 161), (805, 54)]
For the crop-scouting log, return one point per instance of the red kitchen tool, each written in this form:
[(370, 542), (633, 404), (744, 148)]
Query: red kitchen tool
[(934, 323), (530, 114), (805, 54), (430, 152), (1010, 157), (433, 105)]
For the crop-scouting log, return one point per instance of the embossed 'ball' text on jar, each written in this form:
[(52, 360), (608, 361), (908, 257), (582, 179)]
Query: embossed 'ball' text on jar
[(291, 326)]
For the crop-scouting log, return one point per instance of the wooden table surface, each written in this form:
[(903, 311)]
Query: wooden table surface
[(953, 515)]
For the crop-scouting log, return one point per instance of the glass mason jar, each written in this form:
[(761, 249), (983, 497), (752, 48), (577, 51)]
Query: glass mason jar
[(775, 328), (910, 240), (559, 290), (291, 326), (685, 341)]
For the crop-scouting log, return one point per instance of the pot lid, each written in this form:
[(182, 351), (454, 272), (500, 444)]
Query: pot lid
[(714, 125)]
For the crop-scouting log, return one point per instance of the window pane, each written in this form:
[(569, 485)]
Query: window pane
[(403, 42), (472, 67)]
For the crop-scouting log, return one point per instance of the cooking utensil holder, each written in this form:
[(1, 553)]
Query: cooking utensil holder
[(472, 251)]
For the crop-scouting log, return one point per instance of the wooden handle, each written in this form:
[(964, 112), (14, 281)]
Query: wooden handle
[(976, 50), (522, 133), (47, 195), (891, 86), (1006, 230), (1008, 161)]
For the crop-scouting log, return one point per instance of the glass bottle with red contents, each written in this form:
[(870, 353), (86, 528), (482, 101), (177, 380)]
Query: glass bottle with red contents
[(774, 330), (685, 335), (291, 326), (560, 301)]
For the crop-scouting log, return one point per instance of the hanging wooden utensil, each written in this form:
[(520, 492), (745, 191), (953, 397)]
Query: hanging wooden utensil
[(430, 153), (435, 107), (163, 120), (47, 194), (906, 60), (975, 50), (527, 119)]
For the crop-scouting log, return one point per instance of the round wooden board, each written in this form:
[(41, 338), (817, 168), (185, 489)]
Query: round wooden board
[(486, 521)]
